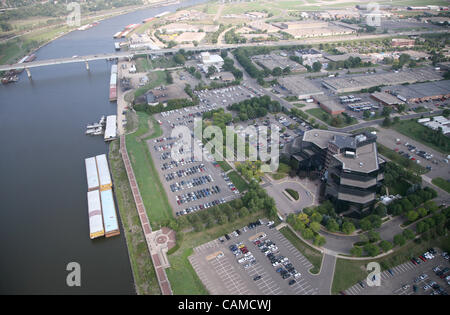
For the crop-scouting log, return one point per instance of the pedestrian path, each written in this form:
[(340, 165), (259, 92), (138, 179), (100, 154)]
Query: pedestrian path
[(157, 263)]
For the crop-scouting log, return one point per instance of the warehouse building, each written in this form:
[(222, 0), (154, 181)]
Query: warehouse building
[(299, 86), (349, 165), (328, 105), (420, 92), (353, 83), (386, 99)]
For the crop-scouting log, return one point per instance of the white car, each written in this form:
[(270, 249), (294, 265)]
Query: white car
[(275, 264), (297, 275)]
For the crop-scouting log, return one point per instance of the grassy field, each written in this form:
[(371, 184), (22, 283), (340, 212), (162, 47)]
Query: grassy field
[(224, 165), (238, 181), (183, 278), (144, 65), (313, 256), (152, 191), (414, 130), (401, 160), (141, 263), (349, 272), (155, 79), (442, 183)]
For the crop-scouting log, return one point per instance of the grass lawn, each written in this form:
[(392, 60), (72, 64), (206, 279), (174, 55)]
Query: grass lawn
[(141, 263), (183, 278), (293, 193), (152, 191), (442, 183), (299, 105), (142, 65), (313, 256), (349, 272), (416, 131), (155, 79), (327, 118), (401, 160), (224, 165), (282, 172), (238, 181)]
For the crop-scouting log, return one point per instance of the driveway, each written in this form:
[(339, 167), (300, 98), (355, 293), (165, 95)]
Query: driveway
[(285, 204)]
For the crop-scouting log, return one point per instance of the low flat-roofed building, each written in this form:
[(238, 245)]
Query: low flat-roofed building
[(403, 42), (353, 83), (349, 165), (330, 30), (263, 27), (274, 60), (414, 54), (208, 60), (299, 86), (420, 92), (386, 98), (343, 57), (297, 25), (329, 105)]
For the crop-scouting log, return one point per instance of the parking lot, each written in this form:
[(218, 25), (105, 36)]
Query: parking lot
[(193, 185), (439, 168), (409, 278), (247, 269)]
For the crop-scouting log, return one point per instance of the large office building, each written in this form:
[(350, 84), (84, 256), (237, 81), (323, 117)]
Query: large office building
[(349, 165)]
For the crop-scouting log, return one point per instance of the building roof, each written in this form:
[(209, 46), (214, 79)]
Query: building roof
[(299, 86), (321, 137), (386, 98), (419, 90), (366, 159)]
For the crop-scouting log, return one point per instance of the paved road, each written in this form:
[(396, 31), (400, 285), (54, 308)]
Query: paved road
[(326, 275)]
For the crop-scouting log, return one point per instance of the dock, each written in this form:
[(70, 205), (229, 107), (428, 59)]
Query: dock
[(111, 128)]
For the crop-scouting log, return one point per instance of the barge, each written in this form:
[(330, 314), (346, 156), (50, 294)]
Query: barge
[(111, 128), (95, 214), (113, 84), (103, 172), (109, 213), (92, 173)]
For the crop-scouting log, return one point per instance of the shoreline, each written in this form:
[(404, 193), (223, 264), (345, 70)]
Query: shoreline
[(100, 17)]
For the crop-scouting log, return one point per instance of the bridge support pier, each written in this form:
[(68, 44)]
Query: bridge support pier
[(28, 73), (87, 65)]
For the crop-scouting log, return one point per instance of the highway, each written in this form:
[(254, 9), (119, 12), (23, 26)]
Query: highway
[(130, 54)]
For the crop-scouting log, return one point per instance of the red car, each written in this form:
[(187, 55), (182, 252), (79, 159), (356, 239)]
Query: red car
[(413, 261), (423, 258)]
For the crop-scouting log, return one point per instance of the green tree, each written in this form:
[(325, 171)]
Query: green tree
[(348, 227), (317, 66), (372, 249), (319, 240), (386, 246), (399, 240), (356, 251), (412, 215), (373, 236), (408, 234), (315, 226), (332, 225)]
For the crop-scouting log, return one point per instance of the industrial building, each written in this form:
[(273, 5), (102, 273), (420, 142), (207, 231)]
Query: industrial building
[(349, 165), (403, 42), (353, 83), (209, 60), (299, 86), (386, 99), (420, 92), (328, 105), (274, 60)]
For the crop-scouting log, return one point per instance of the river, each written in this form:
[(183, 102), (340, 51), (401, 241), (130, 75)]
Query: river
[(43, 210)]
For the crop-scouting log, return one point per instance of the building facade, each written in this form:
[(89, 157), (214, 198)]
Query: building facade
[(349, 166)]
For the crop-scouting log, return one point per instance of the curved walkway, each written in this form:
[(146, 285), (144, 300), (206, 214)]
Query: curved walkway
[(159, 264)]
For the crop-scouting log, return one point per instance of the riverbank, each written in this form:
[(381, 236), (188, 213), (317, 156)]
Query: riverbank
[(144, 275), (15, 48)]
